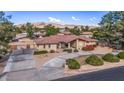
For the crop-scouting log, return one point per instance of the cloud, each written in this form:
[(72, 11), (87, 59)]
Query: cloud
[(74, 18), (93, 19), (52, 19)]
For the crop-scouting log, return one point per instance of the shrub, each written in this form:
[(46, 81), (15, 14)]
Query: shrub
[(110, 58), (94, 60), (68, 50), (121, 55), (52, 51), (76, 50), (72, 64), (88, 48), (40, 52)]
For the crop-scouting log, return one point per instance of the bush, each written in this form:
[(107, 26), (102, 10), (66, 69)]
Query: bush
[(52, 51), (88, 48), (94, 60), (72, 64), (75, 50), (68, 50), (40, 52), (121, 55), (110, 58)]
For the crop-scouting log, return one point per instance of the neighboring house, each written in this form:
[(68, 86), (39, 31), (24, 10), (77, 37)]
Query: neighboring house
[(18, 36), (56, 42), (22, 43), (24, 35), (87, 34)]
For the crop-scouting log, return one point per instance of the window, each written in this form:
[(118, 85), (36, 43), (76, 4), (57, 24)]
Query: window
[(49, 45), (43, 46)]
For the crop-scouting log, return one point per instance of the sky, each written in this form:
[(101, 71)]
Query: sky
[(63, 17)]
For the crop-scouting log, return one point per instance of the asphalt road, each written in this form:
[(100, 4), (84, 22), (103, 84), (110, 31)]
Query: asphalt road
[(113, 74)]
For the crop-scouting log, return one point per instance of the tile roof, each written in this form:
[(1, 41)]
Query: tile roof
[(60, 38), (88, 39), (56, 39)]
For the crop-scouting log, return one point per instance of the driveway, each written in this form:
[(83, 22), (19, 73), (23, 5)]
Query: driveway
[(54, 68)]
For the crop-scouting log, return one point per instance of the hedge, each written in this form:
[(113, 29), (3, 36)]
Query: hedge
[(94, 60), (121, 55), (76, 50), (67, 50), (72, 64), (40, 52), (110, 58), (52, 51)]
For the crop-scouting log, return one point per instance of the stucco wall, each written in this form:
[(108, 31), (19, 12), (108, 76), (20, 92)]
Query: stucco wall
[(52, 47), (81, 44)]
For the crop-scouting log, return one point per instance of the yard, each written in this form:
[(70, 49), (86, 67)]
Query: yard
[(89, 68), (85, 67), (40, 59)]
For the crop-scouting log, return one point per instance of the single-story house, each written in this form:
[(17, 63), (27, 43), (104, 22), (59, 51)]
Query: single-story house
[(56, 42)]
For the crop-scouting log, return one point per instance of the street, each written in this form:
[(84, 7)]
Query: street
[(113, 74)]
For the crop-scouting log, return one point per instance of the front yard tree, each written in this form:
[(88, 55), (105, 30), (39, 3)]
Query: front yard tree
[(110, 26), (7, 32)]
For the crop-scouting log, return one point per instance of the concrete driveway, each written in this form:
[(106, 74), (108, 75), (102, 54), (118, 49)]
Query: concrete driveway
[(54, 68)]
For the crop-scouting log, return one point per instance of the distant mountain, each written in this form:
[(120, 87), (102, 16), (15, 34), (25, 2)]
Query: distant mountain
[(42, 24)]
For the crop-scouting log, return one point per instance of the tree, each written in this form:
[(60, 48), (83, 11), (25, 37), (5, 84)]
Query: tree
[(23, 28), (86, 28), (75, 31), (7, 32), (51, 30), (110, 25), (29, 30), (82, 28), (67, 29), (37, 29)]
